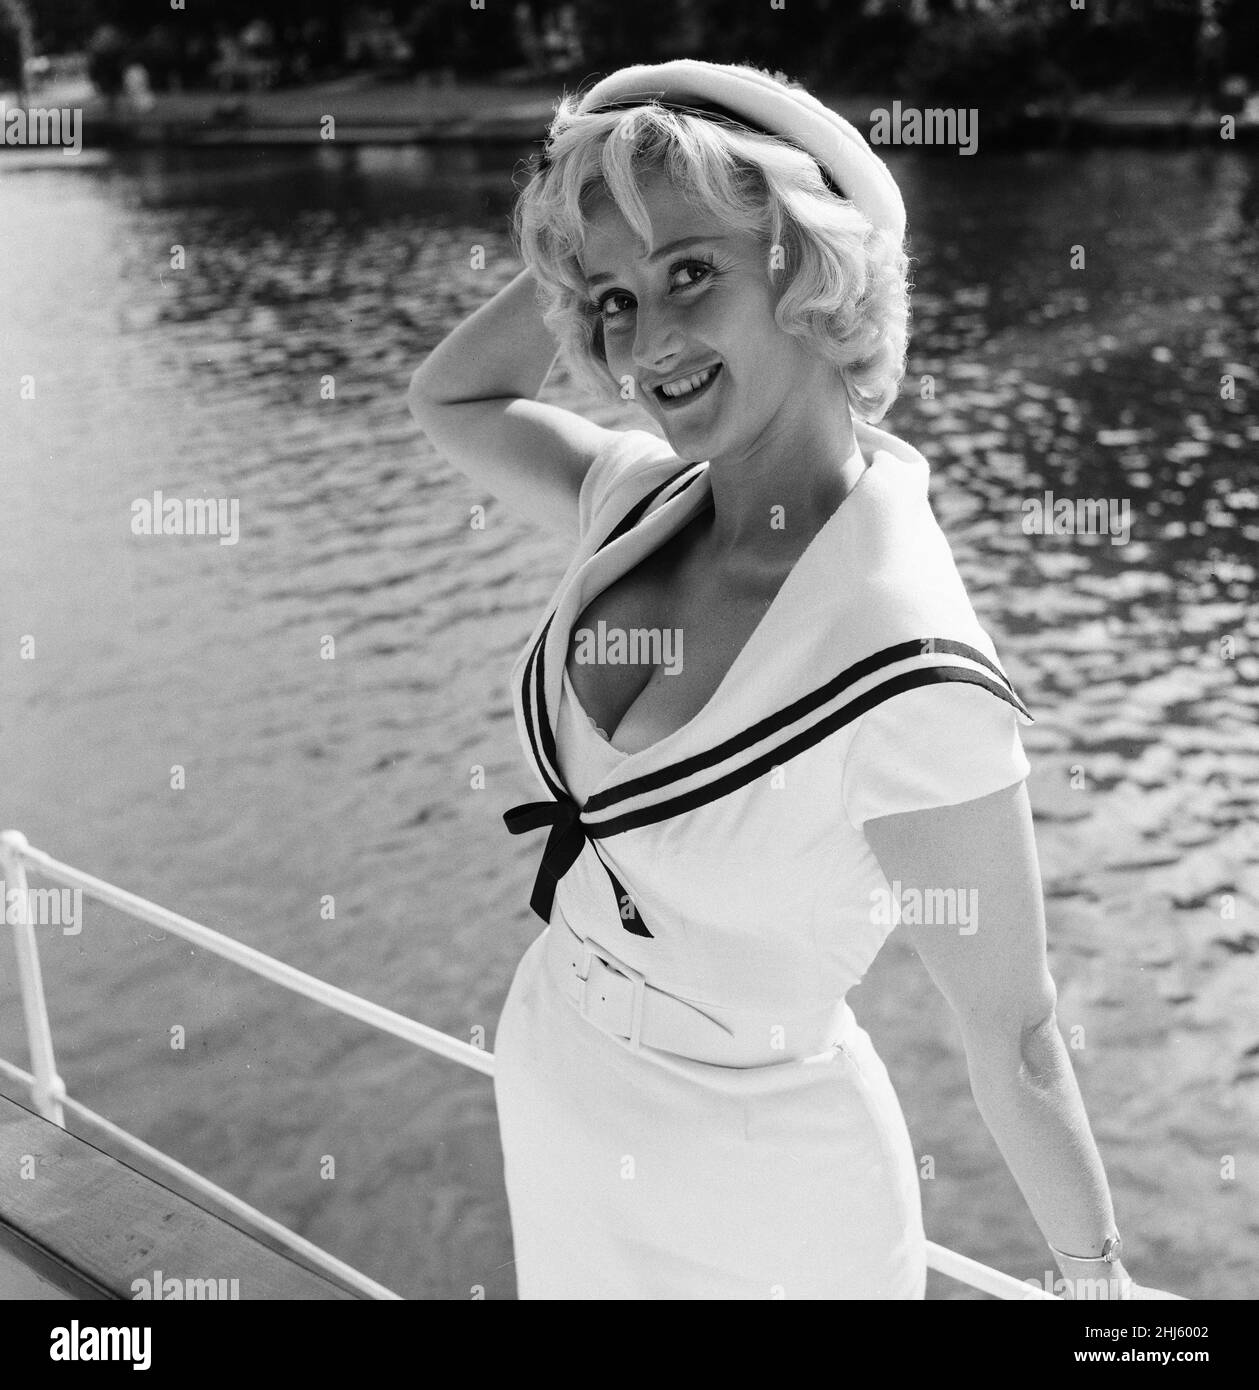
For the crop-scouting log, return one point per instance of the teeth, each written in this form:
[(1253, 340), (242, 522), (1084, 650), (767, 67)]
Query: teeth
[(686, 385)]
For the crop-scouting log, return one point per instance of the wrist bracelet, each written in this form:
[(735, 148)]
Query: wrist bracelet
[(1111, 1248)]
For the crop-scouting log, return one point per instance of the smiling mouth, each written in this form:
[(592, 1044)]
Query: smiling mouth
[(687, 388)]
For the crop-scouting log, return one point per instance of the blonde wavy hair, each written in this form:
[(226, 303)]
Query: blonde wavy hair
[(844, 283)]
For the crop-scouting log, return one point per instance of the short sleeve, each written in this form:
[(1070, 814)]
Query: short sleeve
[(937, 745), (613, 467)]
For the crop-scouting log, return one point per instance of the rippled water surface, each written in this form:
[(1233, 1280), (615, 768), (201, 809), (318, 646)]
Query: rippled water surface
[(351, 777)]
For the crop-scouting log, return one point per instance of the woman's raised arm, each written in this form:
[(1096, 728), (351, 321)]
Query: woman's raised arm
[(991, 967), (474, 398)]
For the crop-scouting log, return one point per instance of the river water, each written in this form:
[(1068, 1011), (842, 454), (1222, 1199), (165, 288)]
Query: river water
[(305, 777)]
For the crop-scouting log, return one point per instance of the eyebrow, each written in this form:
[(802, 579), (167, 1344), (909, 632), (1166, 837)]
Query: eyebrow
[(680, 244)]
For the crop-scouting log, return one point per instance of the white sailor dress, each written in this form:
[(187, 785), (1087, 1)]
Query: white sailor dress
[(687, 1107)]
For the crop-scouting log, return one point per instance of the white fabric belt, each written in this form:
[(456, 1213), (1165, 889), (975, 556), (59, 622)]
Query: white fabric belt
[(618, 1001)]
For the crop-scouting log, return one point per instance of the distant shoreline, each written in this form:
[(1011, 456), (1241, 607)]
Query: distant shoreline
[(485, 113)]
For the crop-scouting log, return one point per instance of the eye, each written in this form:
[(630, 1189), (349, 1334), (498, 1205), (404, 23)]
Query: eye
[(613, 304), (687, 274)]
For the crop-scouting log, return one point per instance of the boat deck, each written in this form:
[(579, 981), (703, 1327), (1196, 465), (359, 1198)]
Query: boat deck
[(77, 1223)]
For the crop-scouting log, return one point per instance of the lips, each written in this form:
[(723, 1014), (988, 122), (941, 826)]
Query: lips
[(682, 390)]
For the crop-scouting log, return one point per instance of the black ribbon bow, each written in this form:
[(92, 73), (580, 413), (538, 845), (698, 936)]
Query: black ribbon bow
[(564, 844)]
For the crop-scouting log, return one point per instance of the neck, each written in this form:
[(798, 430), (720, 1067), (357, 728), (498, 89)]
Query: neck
[(771, 499)]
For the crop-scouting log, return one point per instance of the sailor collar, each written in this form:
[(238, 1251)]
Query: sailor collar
[(872, 607)]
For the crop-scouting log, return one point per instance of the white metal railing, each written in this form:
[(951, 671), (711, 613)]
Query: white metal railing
[(48, 1090)]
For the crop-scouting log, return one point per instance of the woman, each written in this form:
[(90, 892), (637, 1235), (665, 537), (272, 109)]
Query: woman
[(763, 714)]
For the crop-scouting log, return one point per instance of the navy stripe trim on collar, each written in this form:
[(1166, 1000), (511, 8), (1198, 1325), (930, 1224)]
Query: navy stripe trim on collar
[(801, 742), (537, 722), (636, 513), (568, 833), (789, 714)]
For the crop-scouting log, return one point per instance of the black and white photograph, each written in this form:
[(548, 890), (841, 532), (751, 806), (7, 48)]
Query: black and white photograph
[(629, 659)]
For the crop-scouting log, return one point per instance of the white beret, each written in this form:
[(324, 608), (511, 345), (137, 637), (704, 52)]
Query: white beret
[(761, 103)]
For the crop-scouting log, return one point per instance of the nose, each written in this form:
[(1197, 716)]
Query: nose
[(657, 338)]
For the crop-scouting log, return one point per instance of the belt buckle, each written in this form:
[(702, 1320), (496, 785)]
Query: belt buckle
[(591, 950)]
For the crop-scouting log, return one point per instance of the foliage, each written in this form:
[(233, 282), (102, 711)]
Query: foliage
[(998, 54), (996, 62)]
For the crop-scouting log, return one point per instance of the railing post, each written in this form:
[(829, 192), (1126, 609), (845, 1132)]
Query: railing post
[(49, 1089)]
